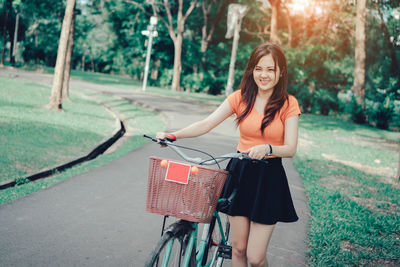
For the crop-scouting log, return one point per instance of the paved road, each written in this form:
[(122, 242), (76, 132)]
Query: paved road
[(98, 218)]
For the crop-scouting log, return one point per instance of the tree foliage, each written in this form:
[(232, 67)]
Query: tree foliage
[(318, 39)]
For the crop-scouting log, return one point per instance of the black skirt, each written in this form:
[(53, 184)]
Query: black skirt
[(262, 193)]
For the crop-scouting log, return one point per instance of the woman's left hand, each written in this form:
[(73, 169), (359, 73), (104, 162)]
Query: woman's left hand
[(257, 152)]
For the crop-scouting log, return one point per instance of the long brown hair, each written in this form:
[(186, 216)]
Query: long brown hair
[(249, 87)]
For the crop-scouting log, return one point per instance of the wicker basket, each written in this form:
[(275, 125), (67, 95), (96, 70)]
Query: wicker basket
[(194, 201)]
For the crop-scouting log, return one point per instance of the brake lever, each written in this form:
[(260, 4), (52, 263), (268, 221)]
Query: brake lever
[(162, 142)]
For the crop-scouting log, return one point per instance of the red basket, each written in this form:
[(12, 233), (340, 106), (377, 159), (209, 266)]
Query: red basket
[(194, 201)]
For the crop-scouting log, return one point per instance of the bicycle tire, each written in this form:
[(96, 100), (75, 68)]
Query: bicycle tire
[(214, 239), (179, 234)]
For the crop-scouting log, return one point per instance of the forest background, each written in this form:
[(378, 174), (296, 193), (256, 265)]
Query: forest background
[(318, 37)]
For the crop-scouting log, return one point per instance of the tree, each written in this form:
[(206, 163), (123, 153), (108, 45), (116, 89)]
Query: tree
[(261, 27), (56, 93), (209, 24), (97, 41), (6, 13), (39, 33), (358, 87), (394, 67), (289, 26), (67, 69), (275, 4), (212, 12), (176, 33), (15, 39)]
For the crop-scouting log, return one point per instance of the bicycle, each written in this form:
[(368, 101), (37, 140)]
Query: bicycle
[(178, 244)]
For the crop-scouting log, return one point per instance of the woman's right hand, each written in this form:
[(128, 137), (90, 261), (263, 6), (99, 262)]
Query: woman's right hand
[(161, 135)]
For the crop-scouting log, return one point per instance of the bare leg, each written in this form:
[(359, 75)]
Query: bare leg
[(240, 227), (259, 237)]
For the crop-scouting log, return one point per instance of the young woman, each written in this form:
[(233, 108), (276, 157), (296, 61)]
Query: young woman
[(267, 118)]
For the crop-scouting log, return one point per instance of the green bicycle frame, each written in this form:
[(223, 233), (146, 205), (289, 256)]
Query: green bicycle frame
[(203, 242)]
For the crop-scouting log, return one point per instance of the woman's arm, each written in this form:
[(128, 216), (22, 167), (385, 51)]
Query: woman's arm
[(289, 147), (205, 125)]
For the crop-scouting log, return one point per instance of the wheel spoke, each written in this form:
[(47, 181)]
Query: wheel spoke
[(171, 248)]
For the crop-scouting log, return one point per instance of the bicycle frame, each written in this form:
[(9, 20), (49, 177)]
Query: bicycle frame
[(202, 245)]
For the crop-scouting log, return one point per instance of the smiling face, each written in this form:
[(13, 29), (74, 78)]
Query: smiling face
[(266, 73)]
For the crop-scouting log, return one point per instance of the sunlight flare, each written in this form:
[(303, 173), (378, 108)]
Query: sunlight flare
[(305, 7)]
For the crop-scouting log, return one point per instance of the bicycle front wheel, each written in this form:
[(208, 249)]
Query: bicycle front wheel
[(172, 247)]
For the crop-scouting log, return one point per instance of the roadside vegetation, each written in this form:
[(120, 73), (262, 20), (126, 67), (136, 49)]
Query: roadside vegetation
[(34, 138), (320, 40), (349, 172)]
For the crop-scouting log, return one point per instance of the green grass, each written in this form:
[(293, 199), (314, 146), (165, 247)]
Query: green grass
[(35, 138), (102, 78), (349, 171)]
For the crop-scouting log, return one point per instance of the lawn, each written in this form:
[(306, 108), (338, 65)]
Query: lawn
[(35, 138), (348, 171)]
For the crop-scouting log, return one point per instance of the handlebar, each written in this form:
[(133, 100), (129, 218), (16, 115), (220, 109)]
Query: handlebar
[(198, 160)]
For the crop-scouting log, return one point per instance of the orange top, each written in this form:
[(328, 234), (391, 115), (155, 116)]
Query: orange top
[(250, 127)]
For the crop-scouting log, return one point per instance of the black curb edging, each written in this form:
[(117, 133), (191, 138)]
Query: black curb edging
[(92, 155)]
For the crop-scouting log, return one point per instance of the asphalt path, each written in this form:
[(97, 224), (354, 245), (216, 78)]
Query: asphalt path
[(98, 218)]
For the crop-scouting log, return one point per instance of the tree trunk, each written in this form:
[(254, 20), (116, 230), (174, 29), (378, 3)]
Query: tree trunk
[(155, 70), (176, 35), (359, 61), (13, 52), (92, 64), (83, 63), (11, 34), (274, 38), (290, 30), (176, 78), (180, 27), (7, 4), (67, 70), (206, 36), (11, 58), (56, 97), (398, 169), (231, 74), (394, 67)]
